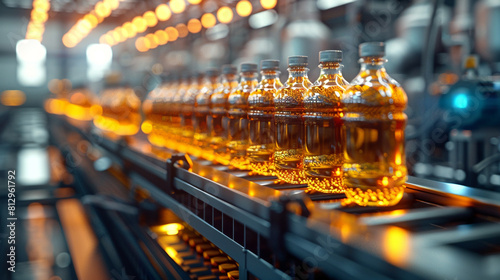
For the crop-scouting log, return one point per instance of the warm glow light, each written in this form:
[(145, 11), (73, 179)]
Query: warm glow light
[(194, 25), (182, 29), (113, 4), (153, 41), (140, 24), (116, 35), (208, 20), (130, 28), (91, 19), (194, 2), (142, 44), (150, 18), (396, 245), (162, 37), (172, 33), (398, 159), (13, 98), (225, 14), (83, 26), (102, 9), (39, 16), (268, 4), (147, 127), (163, 12), (168, 229), (177, 6), (385, 181), (69, 40), (244, 8)]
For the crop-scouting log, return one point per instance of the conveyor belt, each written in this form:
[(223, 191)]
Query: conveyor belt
[(277, 231)]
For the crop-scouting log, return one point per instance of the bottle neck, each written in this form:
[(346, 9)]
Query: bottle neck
[(212, 80), (297, 72), (248, 76), (270, 76), (330, 68), (372, 63), (229, 78)]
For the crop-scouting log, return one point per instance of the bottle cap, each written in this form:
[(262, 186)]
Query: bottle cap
[(212, 72), (372, 49), (270, 64), (248, 67), (330, 56), (297, 60), (229, 69)]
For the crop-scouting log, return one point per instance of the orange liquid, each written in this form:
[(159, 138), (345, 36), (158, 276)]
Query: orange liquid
[(261, 124), (289, 130), (219, 119), (324, 156), (238, 128), (201, 122), (120, 112), (375, 166)]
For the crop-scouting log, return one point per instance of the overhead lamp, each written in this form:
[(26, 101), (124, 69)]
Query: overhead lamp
[(244, 8), (225, 14), (194, 25), (163, 12), (150, 18), (177, 6), (208, 20), (268, 4)]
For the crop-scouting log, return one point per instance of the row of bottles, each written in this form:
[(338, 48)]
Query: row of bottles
[(332, 135)]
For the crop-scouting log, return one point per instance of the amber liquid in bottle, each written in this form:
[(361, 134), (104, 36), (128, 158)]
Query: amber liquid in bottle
[(120, 111), (187, 110), (152, 112), (219, 119), (238, 130), (174, 130), (374, 155), (323, 124), (261, 123), (80, 104), (289, 126), (202, 108)]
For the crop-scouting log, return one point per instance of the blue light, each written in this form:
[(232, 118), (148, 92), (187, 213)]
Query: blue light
[(461, 101)]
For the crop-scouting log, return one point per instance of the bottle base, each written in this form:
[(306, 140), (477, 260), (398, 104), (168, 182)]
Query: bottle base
[(374, 196), (291, 176), (240, 163), (325, 184), (264, 168)]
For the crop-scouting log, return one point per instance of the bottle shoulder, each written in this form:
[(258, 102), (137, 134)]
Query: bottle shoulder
[(375, 90)]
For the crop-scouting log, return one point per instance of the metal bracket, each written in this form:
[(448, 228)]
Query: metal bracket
[(279, 222), (169, 187)]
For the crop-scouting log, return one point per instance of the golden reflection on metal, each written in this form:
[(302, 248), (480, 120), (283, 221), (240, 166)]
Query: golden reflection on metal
[(396, 245), (39, 247), (168, 229)]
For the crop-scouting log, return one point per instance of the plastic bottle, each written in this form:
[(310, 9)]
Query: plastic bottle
[(238, 130), (201, 113), (187, 108), (374, 155), (323, 126), (289, 123), (261, 119), (218, 113)]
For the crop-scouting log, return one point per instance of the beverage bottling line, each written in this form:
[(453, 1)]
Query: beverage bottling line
[(245, 139)]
